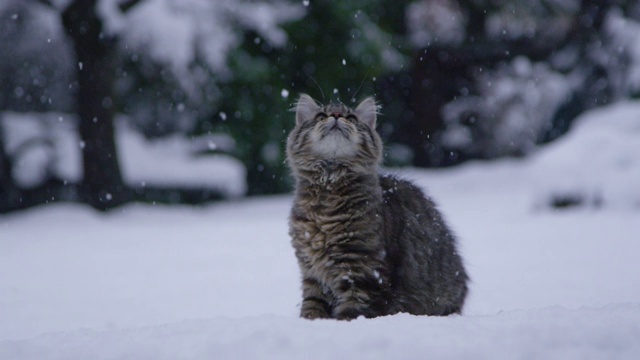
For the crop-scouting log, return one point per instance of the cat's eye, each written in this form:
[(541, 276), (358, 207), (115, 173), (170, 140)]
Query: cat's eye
[(321, 116), (352, 118)]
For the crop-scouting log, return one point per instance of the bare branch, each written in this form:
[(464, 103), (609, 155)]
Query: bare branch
[(128, 5), (47, 3)]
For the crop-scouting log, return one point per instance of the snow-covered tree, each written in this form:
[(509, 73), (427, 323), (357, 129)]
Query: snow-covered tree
[(492, 78), (30, 79), (335, 51), (189, 40), (457, 79)]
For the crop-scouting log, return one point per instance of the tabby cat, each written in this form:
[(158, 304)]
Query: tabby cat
[(367, 244)]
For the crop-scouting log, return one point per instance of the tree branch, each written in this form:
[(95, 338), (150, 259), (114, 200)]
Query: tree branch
[(47, 3), (127, 5)]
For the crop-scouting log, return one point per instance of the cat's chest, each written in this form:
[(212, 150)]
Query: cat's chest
[(319, 226), (321, 222)]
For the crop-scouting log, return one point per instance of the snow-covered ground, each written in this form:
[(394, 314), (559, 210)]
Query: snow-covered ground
[(221, 282)]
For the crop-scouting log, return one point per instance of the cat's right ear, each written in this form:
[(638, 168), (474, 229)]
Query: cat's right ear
[(306, 109)]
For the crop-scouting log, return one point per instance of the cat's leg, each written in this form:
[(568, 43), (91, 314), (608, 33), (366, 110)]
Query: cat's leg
[(316, 304), (360, 291)]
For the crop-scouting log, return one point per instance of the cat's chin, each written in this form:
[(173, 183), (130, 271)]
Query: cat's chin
[(335, 145)]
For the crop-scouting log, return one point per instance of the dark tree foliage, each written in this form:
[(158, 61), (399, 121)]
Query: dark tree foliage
[(327, 56)]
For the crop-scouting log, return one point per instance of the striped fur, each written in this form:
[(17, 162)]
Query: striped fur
[(366, 244)]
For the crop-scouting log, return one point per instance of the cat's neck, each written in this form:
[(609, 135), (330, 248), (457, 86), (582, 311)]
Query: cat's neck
[(330, 175)]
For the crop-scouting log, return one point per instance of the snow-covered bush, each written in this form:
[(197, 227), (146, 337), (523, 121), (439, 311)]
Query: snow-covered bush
[(492, 78), (41, 146), (512, 111), (45, 146)]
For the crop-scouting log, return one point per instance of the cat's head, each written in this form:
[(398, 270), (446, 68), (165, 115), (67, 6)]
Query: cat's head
[(334, 132)]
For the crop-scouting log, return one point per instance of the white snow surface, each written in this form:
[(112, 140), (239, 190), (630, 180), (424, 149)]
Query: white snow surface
[(221, 282)]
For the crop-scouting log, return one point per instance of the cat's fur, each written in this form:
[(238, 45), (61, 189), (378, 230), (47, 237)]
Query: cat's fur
[(367, 244)]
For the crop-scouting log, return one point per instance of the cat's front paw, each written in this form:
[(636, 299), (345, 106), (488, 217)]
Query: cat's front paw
[(313, 310), (312, 314), (353, 312)]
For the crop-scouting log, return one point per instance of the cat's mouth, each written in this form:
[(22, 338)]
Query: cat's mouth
[(334, 138), (335, 128)]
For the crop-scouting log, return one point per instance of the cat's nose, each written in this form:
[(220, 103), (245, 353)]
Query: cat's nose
[(333, 122), (336, 115)]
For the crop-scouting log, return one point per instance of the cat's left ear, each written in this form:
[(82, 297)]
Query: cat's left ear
[(367, 112), (306, 108)]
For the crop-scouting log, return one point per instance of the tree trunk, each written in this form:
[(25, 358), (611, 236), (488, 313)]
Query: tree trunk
[(102, 186), (8, 191)]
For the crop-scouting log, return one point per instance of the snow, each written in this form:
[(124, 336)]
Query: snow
[(166, 33), (183, 35), (435, 21), (221, 281), (501, 336), (370, 36), (625, 34), (171, 161), (513, 110), (55, 149), (41, 144), (598, 159)]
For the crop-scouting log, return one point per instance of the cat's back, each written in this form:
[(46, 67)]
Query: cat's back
[(406, 205), (428, 274), (402, 194)]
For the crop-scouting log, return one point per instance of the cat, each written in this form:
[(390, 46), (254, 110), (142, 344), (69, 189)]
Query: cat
[(367, 244)]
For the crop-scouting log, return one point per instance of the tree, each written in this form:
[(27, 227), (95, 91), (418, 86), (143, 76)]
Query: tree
[(102, 185), (335, 52), (104, 32), (30, 81), (7, 186), (458, 79), (492, 78)]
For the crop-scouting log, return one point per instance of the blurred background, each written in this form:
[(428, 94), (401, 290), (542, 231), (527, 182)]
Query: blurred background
[(107, 102)]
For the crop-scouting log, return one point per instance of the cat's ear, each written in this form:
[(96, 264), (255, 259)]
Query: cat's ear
[(367, 112), (306, 108)]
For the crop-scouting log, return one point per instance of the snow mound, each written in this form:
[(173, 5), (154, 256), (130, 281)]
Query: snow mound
[(46, 145), (172, 161), (597, 162), (596, 333), (41, 145)]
